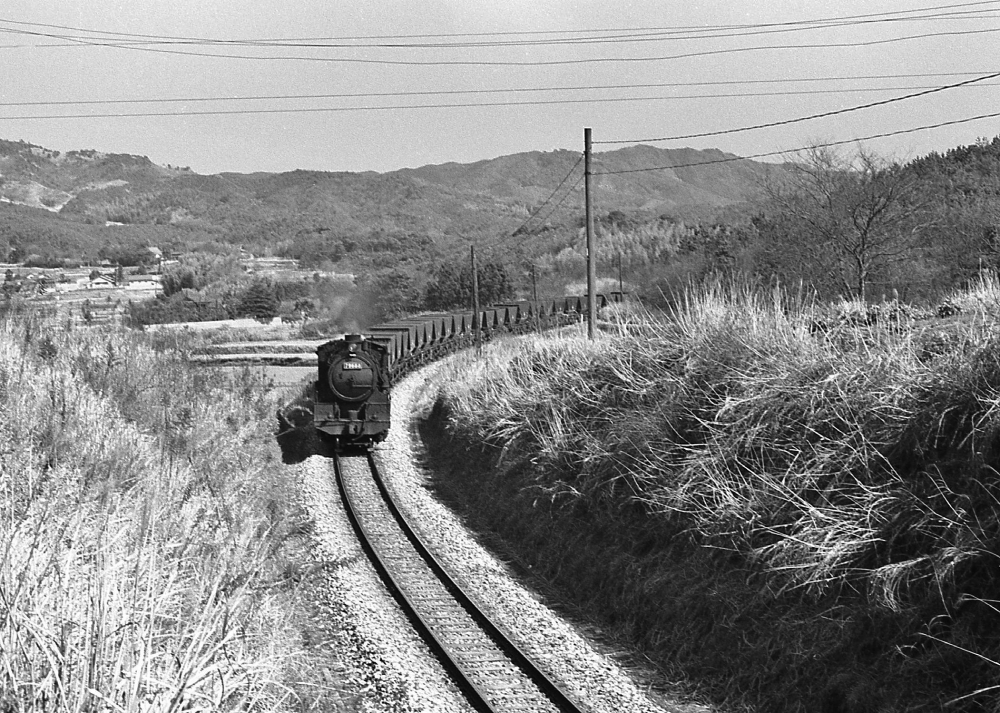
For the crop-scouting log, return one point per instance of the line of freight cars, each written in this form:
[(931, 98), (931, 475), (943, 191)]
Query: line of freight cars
[(351, 407)]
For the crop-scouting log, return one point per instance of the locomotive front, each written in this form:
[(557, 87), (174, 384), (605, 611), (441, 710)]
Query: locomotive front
[(351, 408)]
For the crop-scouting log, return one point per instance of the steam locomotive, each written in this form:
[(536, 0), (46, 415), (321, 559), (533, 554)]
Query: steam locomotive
[(351, 402)]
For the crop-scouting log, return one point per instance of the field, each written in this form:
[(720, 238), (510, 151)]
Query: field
[(794, 506)]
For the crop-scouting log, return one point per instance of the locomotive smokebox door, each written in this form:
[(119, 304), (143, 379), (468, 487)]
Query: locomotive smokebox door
[(352, 379)]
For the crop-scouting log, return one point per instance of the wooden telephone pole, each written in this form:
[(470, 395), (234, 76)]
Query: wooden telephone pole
[(591, 250)]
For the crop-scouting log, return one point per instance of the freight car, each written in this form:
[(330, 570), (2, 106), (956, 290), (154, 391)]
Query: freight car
[(351, 395)]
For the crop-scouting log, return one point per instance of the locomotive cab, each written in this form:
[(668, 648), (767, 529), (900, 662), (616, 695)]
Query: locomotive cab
[(351, 408)]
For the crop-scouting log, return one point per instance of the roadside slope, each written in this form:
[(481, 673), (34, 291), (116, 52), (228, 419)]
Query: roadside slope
[(798, 520)]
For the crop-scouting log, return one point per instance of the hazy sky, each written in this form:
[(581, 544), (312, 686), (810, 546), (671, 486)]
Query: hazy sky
[(99, 57)]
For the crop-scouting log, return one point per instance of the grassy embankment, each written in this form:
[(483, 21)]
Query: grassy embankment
[(148, 533), (797, 519)]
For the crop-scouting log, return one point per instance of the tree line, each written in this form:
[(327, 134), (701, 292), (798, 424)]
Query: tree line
[(202, 287), (846, 224)]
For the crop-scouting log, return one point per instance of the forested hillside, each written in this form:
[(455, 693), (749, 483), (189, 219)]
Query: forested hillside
[(58, 206), (848, 223)]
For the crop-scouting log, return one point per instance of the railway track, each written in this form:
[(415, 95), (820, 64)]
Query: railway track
[(487, 666)]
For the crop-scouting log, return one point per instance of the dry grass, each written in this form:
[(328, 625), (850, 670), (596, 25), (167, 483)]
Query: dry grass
[(845, 466), (145, 531)]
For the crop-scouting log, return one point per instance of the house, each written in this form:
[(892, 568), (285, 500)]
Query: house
[(102, 282), (144, 282), (156, 256)]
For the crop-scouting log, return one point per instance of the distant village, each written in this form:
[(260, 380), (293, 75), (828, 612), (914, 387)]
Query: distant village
[(101, 293), (36, 282), (30, 282)]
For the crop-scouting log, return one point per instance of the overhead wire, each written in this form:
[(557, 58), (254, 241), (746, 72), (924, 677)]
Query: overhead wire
[(526, 236), (956, 9), (129, 41), (537, 210), (549, 63), (635, 33), (828, 144), (535, 63), (646, 35), (785, 122), (466, 105), (531, 90), (732, 159), (125, 44)]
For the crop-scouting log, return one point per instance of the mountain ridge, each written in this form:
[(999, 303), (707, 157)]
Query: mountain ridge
[(430, 206), (514, 176)]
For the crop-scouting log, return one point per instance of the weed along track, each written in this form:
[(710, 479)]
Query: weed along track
[(487, 666)]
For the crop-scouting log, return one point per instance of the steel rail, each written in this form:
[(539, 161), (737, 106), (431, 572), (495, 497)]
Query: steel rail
[(499, 634), (472, 693), (498, 637)]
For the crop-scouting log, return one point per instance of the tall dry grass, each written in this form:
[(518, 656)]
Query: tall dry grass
[(837, 451), (144, 530)]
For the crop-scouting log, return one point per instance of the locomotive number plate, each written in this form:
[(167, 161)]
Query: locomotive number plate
[(353, 365)]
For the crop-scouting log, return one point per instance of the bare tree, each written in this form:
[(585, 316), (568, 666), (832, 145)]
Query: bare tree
[(844, 219)]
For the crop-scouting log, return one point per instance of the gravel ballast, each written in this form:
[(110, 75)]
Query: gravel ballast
[(391, 666)]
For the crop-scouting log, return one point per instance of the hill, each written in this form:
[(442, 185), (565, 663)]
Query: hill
[(78, 203)]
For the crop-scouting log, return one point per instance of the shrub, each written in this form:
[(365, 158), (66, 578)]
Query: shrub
[(259, 301)]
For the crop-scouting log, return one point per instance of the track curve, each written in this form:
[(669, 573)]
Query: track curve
[(488, 667)]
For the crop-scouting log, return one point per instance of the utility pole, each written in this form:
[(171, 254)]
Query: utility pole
[(591, 256), (475, 302), (534, 286)]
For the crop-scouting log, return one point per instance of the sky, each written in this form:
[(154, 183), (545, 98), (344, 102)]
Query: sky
[(205, 90)]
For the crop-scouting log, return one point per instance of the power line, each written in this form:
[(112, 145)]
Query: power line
[(648, 32), (645, 35), (551, 195), (528, 236), (471, 105), (786, 152), (496, 63), (785, 122), (468, 105), (682, 29), (514, 90), (732, 159), (344, 109), (563, 199)]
